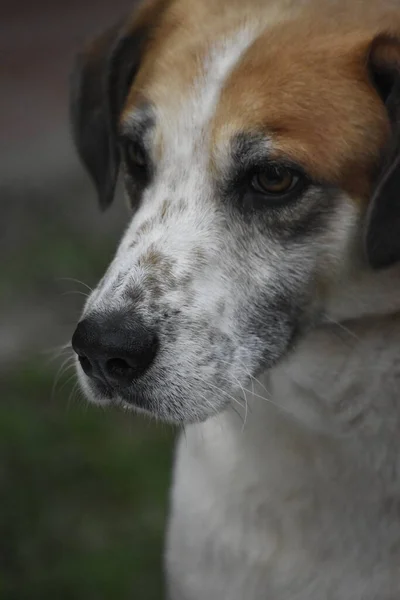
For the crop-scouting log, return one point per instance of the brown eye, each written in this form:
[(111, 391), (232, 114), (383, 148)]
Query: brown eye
[(274, 181)]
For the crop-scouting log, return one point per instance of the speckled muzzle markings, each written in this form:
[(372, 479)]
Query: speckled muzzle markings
[(173, 267)]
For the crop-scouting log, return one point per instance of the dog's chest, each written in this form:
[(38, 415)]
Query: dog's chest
[(298, 536), (275, 510)]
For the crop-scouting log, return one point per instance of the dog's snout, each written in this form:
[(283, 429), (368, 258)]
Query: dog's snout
[(116, 349)]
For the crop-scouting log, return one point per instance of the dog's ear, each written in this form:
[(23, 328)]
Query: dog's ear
[(101, 80), (382, 234)]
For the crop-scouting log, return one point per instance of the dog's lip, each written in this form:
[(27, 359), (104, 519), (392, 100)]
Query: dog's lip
[(102, 389), (134, 398), (116, 395)]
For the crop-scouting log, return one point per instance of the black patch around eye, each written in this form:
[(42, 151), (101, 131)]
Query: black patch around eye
[(134, 187), (310, 223), (255, 200), (305, 212), (134, 141), (250, 157), (137, 163), (238, 189), (138, 170)]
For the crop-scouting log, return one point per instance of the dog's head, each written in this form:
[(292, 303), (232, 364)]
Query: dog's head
[(259, 145)]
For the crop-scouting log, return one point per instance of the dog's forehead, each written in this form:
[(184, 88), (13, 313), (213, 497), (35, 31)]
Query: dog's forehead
[(195, 47), (290, 72), (183, 76)]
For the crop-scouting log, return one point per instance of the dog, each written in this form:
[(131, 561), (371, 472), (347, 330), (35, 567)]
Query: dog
[(255, 296)]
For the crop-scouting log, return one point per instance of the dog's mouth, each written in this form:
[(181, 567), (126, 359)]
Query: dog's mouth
[(171, 389), (110, 385), (170, 407), (100, 392)]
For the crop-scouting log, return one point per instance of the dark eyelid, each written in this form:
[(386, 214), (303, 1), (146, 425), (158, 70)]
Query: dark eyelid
[(242, 175), (140, 121), (250, 152), (139, 173), (124, 139), (279, 165)]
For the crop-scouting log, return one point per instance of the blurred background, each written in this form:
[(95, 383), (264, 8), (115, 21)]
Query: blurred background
[(83, 492)]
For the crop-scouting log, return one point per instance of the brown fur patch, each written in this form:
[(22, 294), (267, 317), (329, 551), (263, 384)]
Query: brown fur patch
[(174, 57), (309, 91), (165, 207), (151, 258), (145, 227), (303, 82)]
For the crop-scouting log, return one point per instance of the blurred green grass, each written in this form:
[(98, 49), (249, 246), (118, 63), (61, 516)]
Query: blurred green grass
[(83, 495)]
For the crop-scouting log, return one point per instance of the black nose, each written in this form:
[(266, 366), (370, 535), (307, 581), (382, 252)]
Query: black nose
[(116, 349)]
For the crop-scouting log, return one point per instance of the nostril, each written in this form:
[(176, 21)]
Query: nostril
[(119, 368), (85, 364), (132, 366)]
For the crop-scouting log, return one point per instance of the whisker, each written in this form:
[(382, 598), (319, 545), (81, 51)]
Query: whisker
[(67, 381), (75, 281), (72, 395), (258, 382), (268, 400), (342, 327), (276, 406), (209, 404), (57, 351), (78, 292), (67, 364), (245, 368), (235, 410), (246, 404), (220, 390)]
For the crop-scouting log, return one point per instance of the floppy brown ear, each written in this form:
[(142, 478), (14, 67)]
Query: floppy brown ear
[(382, 236), (101, 79)]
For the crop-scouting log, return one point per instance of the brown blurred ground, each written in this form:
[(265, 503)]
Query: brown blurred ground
[(41, 182), (37, 44)]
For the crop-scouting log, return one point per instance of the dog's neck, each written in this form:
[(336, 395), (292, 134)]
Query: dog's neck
[(338, 389), (363, 292), (358, 339)]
